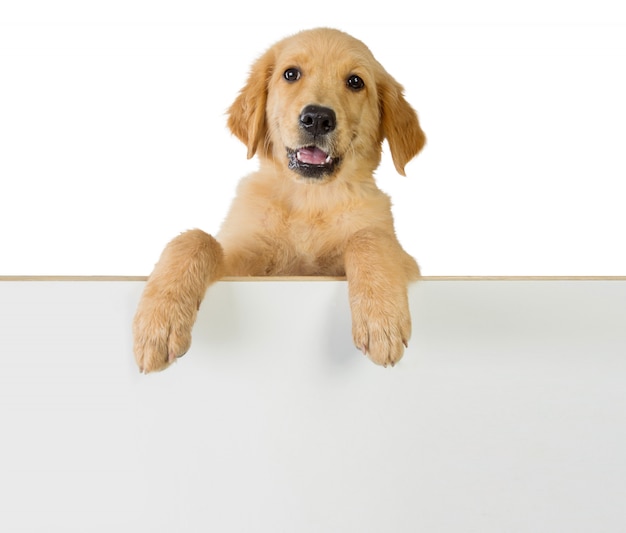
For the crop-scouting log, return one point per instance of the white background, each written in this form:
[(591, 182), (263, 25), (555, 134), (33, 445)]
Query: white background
[(113, 137)]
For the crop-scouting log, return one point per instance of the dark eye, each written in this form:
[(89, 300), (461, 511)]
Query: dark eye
[(355, 82), (291, 74)]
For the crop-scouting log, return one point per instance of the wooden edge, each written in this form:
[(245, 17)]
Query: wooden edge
[(524, 278), (73, 278), (320, 278)]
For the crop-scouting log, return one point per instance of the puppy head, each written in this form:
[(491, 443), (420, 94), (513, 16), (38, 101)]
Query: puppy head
[(318, 102)]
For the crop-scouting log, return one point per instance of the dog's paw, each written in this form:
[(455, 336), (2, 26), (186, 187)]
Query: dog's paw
[(162, 333), (382, 333)]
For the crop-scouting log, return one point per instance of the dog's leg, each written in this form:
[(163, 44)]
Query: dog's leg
[(378, 272), (171, 298)]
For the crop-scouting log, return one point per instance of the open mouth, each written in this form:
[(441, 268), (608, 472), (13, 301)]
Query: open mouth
[(311, 162)]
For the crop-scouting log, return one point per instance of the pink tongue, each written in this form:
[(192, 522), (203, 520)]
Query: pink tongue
[(312, 155)]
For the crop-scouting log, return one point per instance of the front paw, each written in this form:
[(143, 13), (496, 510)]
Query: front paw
[(162, 332), (381, 331)]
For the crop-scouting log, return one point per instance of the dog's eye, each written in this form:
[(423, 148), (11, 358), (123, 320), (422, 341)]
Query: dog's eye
[(291, 74), (355, 82)]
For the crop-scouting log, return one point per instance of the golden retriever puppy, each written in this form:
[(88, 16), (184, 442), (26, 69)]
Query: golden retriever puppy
[(315, 110)]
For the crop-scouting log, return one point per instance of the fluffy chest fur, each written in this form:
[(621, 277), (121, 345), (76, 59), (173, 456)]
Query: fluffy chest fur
[(302, 229)]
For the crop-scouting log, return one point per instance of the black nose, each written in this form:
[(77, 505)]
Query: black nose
[(317, 120)]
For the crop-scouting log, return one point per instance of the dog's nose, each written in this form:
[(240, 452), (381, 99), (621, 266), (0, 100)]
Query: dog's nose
[(318, 120)]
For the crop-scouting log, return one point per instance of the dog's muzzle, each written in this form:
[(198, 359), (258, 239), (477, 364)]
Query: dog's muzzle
[(311, 160)]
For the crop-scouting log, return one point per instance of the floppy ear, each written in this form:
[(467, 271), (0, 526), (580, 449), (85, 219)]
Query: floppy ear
[(399, 124), (246, 116)]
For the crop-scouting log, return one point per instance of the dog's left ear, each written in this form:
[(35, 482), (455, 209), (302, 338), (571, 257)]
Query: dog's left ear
[(246, 116), (399, 123)]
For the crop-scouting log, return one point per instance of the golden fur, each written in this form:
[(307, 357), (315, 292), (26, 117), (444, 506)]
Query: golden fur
[(315, 110)]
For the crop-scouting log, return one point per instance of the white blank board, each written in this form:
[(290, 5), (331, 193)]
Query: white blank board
[(507, 413)]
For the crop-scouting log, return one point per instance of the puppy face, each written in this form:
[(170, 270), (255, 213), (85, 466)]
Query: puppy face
[(319, 105), (322, 106)]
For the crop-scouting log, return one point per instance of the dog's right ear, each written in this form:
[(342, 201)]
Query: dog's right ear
[(246, 116)]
